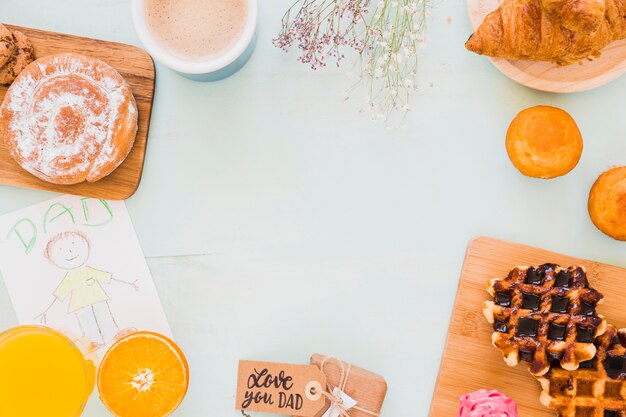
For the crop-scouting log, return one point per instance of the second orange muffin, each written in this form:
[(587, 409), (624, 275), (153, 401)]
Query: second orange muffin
[(607, 203), (544, 142)]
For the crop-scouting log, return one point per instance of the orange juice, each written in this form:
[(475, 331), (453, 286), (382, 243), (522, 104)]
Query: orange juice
[(42, 373)]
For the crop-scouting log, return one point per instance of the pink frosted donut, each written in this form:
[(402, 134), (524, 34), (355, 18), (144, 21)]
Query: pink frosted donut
[(485, 403), (69, 118)]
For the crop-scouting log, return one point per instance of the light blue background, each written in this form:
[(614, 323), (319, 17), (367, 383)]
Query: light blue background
[(278, 221)]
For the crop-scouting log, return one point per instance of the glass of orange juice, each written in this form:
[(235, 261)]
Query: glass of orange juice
[(42, 373)]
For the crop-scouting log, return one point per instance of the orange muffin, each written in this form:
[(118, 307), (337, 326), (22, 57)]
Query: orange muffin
[(607, 203), (544, 142), (69, 118)]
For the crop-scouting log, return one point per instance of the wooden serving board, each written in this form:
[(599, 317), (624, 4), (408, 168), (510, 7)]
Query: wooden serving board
[(545, 76), (469, 361), (137, 68)]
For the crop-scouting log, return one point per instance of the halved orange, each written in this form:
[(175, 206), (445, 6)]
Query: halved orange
[(143, 374)]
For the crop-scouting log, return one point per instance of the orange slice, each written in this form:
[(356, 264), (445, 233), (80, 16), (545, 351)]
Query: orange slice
[(143, 374)]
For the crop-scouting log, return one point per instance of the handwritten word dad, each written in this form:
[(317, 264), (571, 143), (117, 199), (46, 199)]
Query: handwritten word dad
[(92, 212), (256, 393)]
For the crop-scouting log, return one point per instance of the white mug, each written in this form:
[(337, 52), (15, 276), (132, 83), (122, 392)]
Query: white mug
[(212, 69)]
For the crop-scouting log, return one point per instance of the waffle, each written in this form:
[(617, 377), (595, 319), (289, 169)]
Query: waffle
[(544, 314), (597, 388)]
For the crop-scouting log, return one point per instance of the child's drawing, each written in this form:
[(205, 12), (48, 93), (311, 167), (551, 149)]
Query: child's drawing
[(75, 264), (83, 284)]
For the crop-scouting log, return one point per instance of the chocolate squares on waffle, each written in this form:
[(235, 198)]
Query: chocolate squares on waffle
[(597, 388), (544, 314)]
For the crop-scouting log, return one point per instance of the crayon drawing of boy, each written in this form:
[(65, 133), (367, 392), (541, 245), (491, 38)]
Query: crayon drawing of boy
[(84, 285)]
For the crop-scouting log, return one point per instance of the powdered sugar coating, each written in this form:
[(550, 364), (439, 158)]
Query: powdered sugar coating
[(68, 118)]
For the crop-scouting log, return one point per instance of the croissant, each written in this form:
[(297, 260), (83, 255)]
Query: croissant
[(560, 31)]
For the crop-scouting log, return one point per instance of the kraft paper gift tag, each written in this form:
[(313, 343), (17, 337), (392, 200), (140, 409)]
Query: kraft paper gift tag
[(280, 388)]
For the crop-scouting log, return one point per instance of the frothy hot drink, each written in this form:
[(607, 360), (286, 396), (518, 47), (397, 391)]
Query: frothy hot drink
[(196, 30)]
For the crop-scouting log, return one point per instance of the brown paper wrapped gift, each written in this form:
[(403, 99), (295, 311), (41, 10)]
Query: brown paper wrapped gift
[(366, 388)]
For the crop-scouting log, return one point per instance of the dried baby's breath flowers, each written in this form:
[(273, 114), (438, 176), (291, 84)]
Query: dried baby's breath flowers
[(389, 61), (385, 35), (320, 29)]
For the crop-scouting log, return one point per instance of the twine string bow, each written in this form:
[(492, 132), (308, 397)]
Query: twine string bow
[(340, 403)]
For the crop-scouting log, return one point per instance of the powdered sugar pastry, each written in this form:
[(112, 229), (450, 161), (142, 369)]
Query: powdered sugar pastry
[(69, 118)]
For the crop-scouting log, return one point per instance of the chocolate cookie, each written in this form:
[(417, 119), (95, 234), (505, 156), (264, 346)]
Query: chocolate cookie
[(7, 45), (24, 55)]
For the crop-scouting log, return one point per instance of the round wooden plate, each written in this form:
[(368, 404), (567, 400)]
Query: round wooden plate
[(544, 76)]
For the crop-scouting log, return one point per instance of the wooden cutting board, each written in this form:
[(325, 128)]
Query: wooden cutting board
[(137, 68), (469, 361), (546, 76)]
